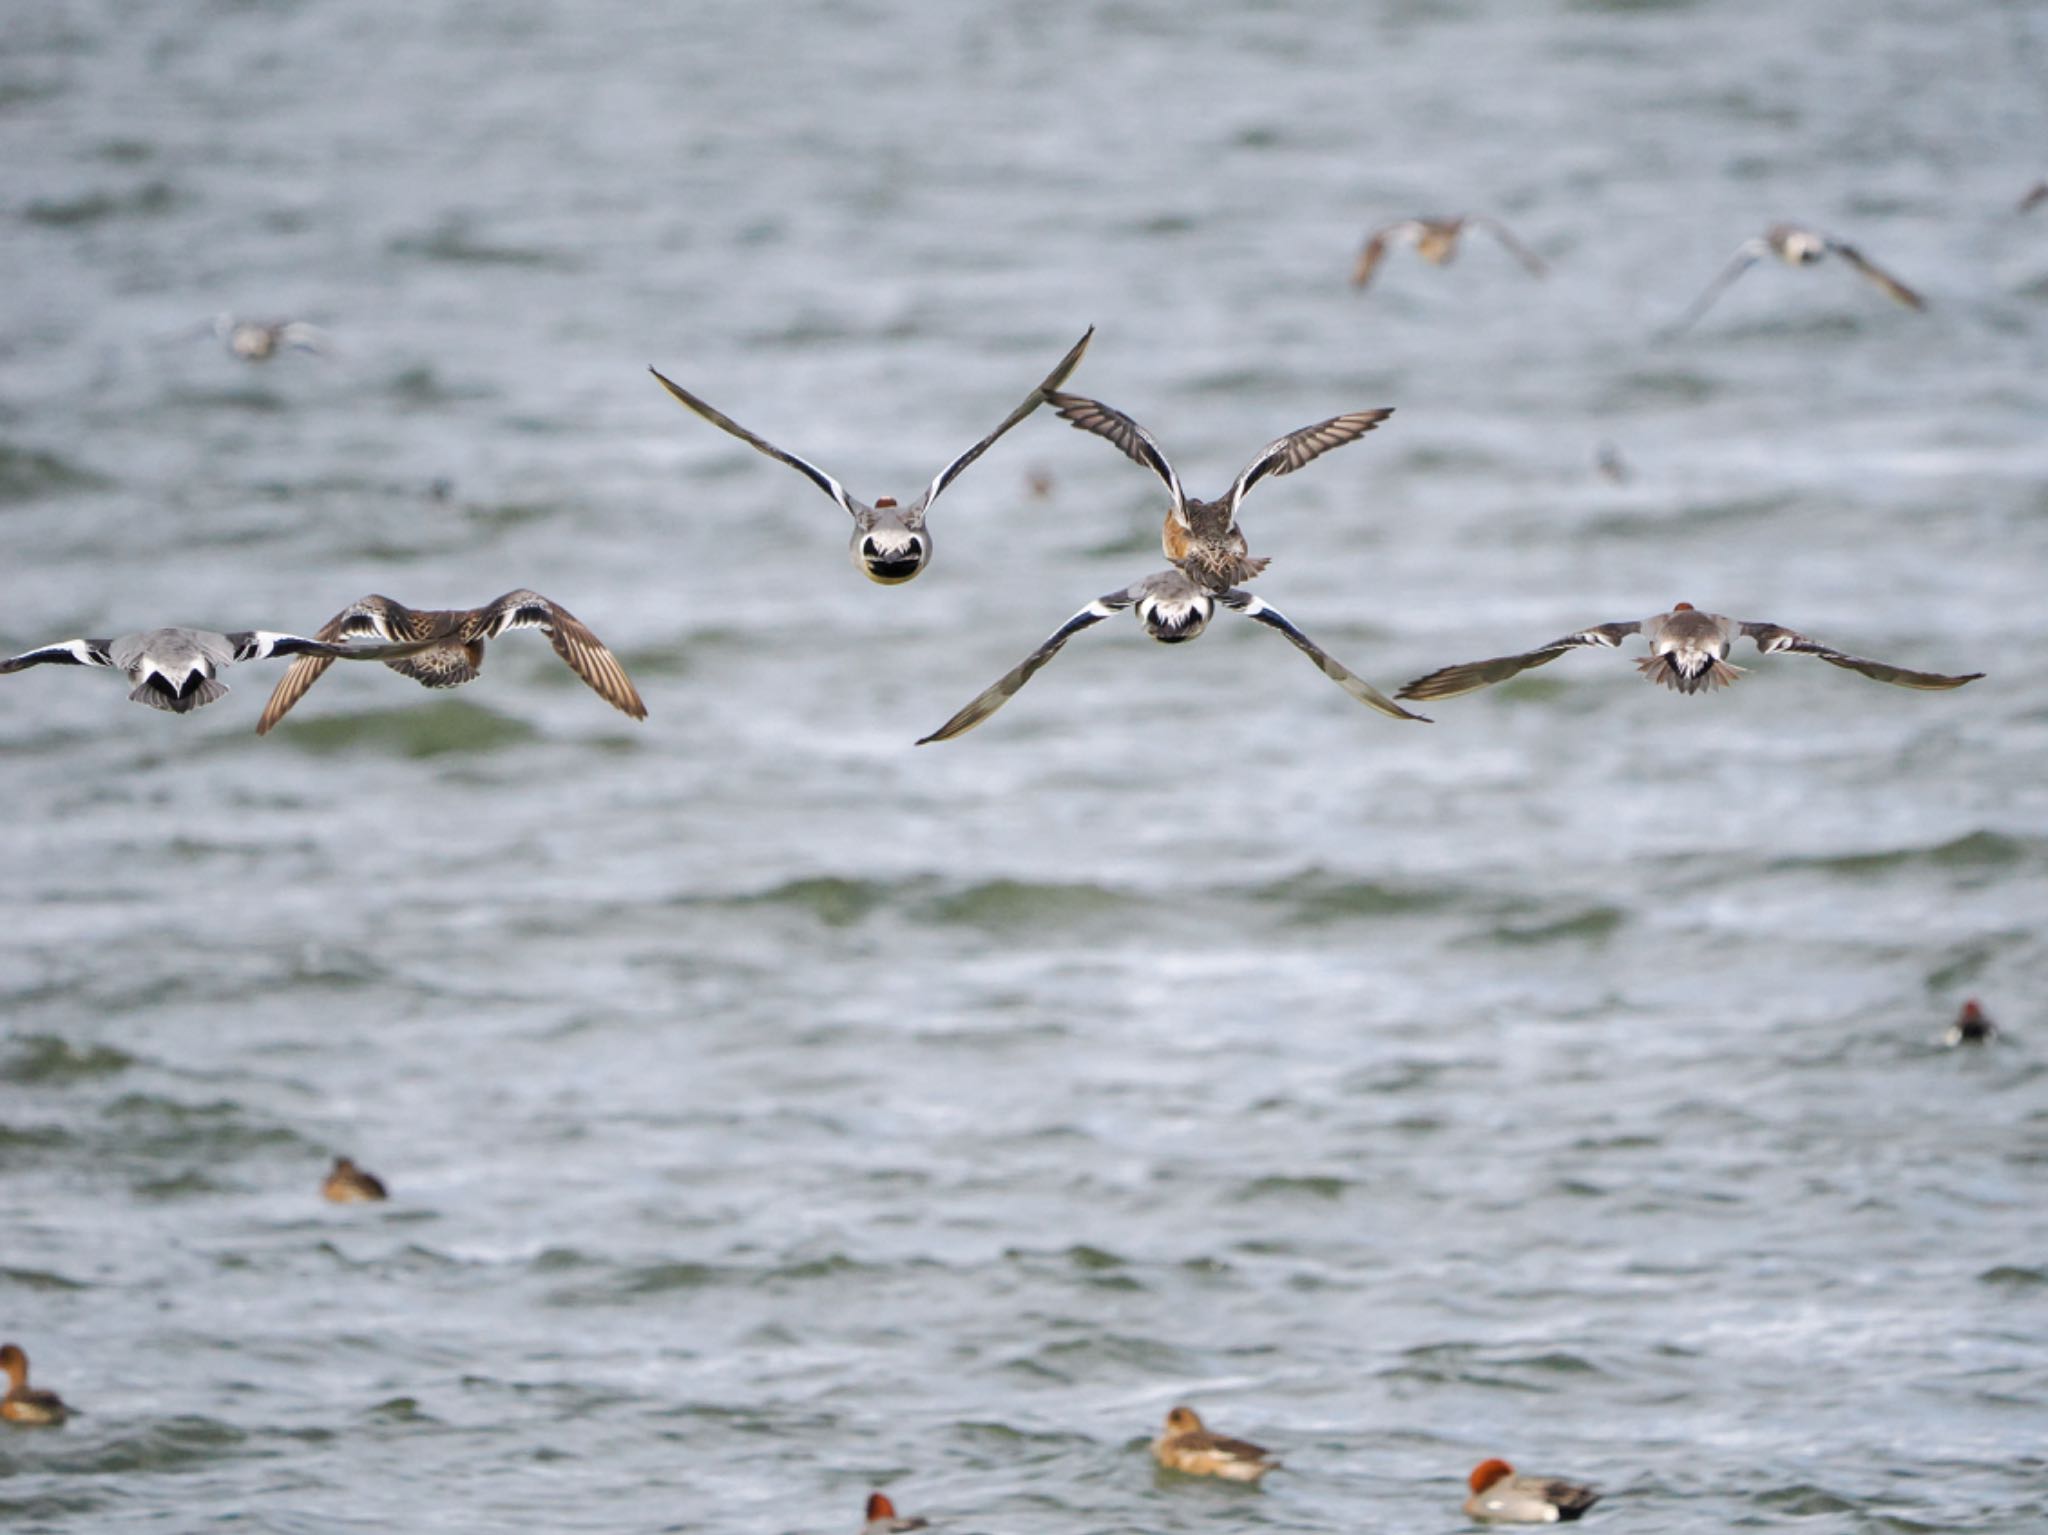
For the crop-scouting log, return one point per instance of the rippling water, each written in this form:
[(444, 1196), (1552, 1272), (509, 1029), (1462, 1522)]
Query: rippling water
[(774, 1111)]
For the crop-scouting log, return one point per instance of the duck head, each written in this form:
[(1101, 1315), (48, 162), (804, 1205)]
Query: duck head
[(887, 552)]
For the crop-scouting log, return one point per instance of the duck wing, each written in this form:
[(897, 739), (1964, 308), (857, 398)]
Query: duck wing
[(1005, 687), (1456, 681)]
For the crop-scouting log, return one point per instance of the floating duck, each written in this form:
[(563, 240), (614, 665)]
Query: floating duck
[(1499, 1496), (23, 1404), (1973, 1026), (1188, 1447), (348, 1184), (883, 1518)]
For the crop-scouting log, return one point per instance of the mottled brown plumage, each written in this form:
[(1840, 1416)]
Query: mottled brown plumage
[(23, 1404), (456, 638), (1202, 538), (348, 1184), (1188, 1447)]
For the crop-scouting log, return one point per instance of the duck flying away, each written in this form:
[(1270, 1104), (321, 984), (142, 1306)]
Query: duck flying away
[(1172, 608), (891, 543), (444, 647), (178, 669), (1202, 537), (1688, 653)]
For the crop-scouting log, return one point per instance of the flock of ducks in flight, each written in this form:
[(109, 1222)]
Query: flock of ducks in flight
[(1208, 561), (1208, 556)]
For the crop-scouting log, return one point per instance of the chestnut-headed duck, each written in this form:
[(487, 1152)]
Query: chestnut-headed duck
[(1186, 1446), (883, 1518), (1499, 1496), (1202, 537), (890, 543), (1973, 1026), (348, 1184), (1172, 609), (23, 1404), (445, 647), (1688, 652)]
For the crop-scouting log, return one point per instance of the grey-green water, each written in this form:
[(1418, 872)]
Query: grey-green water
[(774, 1110)]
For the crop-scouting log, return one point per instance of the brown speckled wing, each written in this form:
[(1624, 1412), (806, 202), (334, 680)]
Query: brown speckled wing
[(1775, 639), (1286, 454), (574, 643), (307, 670), (1135, 442), (1370, 257)]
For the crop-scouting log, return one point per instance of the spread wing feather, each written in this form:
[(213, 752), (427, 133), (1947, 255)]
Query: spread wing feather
[(584, 652), (1257, 608), (1032, 401), (1775, 639), (1135, 442), (810, 471), (1005, 688), (1456, 681)]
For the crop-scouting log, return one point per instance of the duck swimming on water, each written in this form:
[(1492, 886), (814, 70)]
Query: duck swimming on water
[(1500, 1496), (1187, 1446), (348, 1184), (882, 1518), (23, 1404)]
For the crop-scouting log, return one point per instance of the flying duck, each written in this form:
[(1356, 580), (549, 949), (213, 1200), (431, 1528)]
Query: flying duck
[(1436, 241), (176, 669), (890, 543), (444, 647), (1202, 537), (1172, 608), (1688, 652), (1795, 246)]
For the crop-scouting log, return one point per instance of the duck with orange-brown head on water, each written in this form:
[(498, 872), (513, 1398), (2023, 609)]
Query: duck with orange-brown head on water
[(24, 1404), (1501, 1496), (882, 1518)]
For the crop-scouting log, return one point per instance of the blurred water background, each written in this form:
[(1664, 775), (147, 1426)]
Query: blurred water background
[(773, 1110)]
